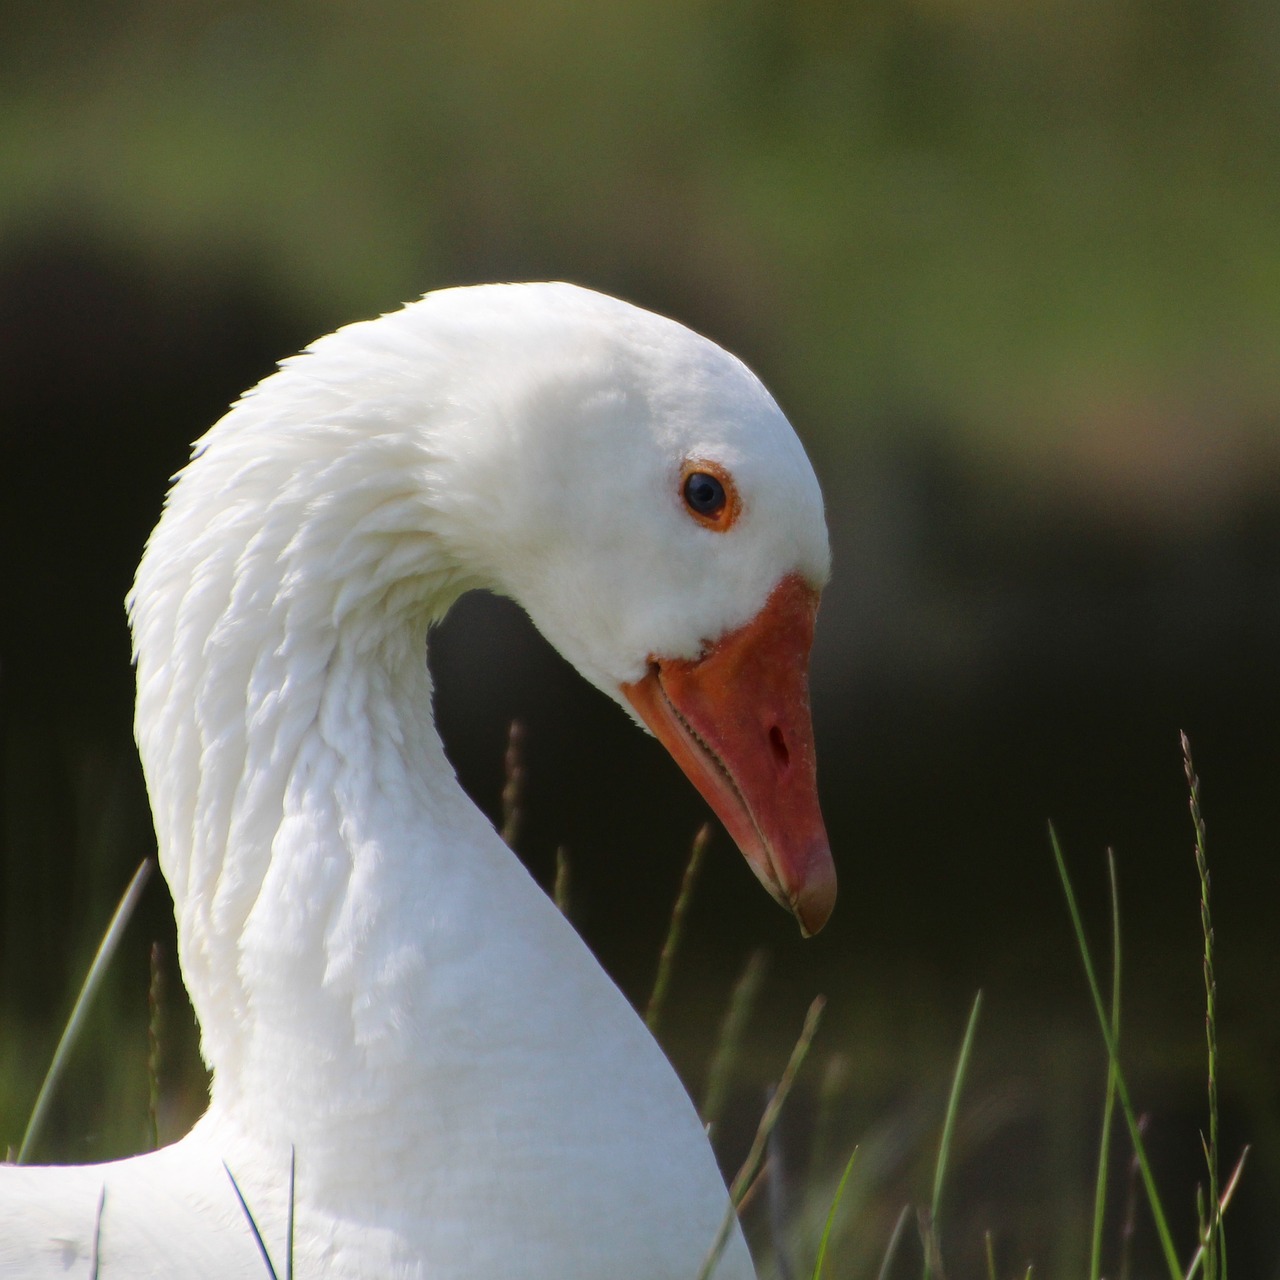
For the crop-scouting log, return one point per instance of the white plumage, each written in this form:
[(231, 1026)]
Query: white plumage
[(380, 985)]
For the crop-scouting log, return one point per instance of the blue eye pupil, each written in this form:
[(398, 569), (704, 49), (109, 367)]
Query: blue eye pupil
[(704, 494)]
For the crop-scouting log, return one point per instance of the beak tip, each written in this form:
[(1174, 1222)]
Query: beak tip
[(813, 903)]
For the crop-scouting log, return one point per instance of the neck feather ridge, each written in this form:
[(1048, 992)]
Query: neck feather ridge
[(285, 726)]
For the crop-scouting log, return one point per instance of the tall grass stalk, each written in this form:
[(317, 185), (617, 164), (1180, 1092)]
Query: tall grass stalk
[(1211, 1234), (746, 1175), (79, 1011), (933, 1234), (512, 783), (154, 1003), (560, 889), (732, 1032), (1109, 1101), (675, 929), (1113, 1054)]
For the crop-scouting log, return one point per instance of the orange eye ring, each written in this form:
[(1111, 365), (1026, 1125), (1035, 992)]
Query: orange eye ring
[(709, 494)]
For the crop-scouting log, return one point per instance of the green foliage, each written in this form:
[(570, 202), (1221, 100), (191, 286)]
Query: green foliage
[(995, 216), (1114, 1072), (1209, 1259)]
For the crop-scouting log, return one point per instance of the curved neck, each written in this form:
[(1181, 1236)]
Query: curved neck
[(340, 926), (304, 808)]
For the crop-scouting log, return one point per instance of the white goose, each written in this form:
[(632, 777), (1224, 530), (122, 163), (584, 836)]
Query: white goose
[(380, 985)]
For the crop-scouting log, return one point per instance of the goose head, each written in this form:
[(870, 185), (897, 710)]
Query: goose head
[(373, 972), (627, 482), (642, 496)]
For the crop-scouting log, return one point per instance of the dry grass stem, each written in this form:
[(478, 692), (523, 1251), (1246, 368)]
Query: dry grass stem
[(755, 1156), (675, 929), (1212, 1249), (513, 783), (154, 996), (560, 889)]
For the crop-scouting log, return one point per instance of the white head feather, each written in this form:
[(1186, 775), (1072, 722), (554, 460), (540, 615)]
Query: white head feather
[(380, 985)]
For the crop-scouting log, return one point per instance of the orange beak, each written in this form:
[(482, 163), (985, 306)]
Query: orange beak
[(736, 720)]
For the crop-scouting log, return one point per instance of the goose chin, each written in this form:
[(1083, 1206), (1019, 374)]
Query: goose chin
[(737, 721)]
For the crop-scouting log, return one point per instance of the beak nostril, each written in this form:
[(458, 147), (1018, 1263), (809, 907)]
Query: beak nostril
[(779, 745)]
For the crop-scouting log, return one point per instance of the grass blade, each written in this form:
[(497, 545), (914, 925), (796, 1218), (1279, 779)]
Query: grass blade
[(1122, 1090), (751, 1165), (948, 1129), (95, 1252), (288, 1230), (831, 1216), (253, 1226), (774, 1108), (675, 930), (1109, 1102), (895, 1239), (79, 1011)]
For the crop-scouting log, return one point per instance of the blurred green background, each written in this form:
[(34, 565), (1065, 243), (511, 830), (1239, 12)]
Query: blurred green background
[(1013, 269)]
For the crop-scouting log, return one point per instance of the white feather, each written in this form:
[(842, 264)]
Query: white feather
[(380, 985)]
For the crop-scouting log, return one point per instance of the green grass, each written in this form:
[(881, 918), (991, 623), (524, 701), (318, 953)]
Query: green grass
[(824, 1242), (263, 1252), (79, 1011), (1213, 1247), (837, 1227), (1115, 1077), (932, 1228), (1209, 1259)]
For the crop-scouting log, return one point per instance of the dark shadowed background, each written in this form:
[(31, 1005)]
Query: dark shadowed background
[(1013, 270)]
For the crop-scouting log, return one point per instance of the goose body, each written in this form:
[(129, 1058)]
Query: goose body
[(381, 987)]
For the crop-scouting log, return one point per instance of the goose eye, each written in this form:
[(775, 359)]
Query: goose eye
[(709, 494), (705, 494)]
